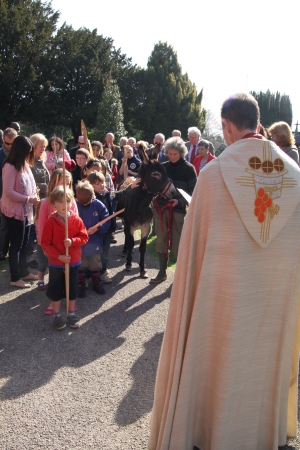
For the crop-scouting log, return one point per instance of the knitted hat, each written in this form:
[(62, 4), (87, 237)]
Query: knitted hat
[(70, 165)]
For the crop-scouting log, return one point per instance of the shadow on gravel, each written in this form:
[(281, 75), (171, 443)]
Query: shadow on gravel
[(139, 400), (31, 351), (119, 261)]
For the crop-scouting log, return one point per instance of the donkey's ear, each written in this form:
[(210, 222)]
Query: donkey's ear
[(142, 154), (156, 150)]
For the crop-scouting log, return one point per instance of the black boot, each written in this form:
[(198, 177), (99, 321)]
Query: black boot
[(81, 283), (163, 264), (97, 283)]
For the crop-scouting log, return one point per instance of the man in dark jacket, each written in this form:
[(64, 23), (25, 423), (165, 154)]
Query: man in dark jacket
[(80, 144)]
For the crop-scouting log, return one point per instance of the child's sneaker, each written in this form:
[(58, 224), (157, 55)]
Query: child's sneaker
[(41, 285), (72, 321), (105, 278), (59, 323), (113, 240)]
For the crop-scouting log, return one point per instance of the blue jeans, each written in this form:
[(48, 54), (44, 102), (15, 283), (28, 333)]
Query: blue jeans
[(104, 255), (19, 231), (42, 259)]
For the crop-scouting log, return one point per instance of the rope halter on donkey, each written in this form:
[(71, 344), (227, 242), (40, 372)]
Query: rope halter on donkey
[(169, 205)]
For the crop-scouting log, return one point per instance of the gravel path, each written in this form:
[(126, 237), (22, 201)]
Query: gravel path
[(90, 388)]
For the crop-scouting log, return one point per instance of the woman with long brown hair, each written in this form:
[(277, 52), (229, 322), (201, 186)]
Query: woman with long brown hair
[(18, 197), (54, 154)]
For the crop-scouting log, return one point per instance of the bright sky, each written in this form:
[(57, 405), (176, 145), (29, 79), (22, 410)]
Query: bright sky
[(224, 46)]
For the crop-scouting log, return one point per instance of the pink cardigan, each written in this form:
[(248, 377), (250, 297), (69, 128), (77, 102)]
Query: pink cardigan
[(12, 201), (45, 212), (50, 164)]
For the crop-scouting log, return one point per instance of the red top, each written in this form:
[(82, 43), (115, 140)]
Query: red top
[(198, 159), (45, 212), (52, 241), (114, 176)]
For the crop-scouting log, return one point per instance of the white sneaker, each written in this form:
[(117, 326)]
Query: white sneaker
[(105, 279)]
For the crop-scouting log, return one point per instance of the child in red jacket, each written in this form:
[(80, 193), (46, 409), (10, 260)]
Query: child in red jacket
[(54, 246)]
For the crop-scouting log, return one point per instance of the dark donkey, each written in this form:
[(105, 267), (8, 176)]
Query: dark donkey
[(138, 214)]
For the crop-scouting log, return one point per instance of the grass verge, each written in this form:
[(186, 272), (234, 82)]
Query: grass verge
[(151, 249)]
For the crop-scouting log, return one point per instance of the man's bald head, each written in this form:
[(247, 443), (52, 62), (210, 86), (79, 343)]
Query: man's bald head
[(159, 138), (240, 116), (176, 133), (241, 110), (109, 138)]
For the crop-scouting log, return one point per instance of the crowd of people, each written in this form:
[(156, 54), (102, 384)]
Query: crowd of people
[(31, 170), (32, 180), (227, 375)]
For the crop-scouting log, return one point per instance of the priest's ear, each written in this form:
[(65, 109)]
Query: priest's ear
[(227, 131)]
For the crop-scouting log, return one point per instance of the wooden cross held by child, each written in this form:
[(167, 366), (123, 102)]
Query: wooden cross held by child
[(67, 265)]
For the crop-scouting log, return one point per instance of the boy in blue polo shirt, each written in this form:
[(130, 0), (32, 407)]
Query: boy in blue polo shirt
[(91, 211)]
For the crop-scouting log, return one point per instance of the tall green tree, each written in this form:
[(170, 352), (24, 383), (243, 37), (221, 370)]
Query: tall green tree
[(110, 117), (25, 32), (47, 79), (274, 107), (169, 99), (81, 64), (132, 89)]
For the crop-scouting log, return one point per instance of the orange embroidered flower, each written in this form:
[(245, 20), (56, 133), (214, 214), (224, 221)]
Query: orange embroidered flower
[(262, 203)]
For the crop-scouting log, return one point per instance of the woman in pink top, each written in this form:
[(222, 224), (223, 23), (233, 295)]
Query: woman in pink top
[(18, 197), (54, 154)]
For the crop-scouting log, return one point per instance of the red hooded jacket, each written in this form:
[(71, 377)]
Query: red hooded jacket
[(53, 235)]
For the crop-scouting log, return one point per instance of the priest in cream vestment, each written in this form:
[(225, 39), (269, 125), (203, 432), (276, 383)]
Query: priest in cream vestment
[(227, 374)]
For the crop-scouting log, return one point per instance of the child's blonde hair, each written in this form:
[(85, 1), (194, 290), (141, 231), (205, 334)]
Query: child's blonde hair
[(56, 176), (58, 194), (93, 177), (84, 192), (114, 161), (39, 138), (128, 181)]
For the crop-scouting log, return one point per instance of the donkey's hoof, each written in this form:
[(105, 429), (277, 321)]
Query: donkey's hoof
[(128, 267), (144, 274)]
